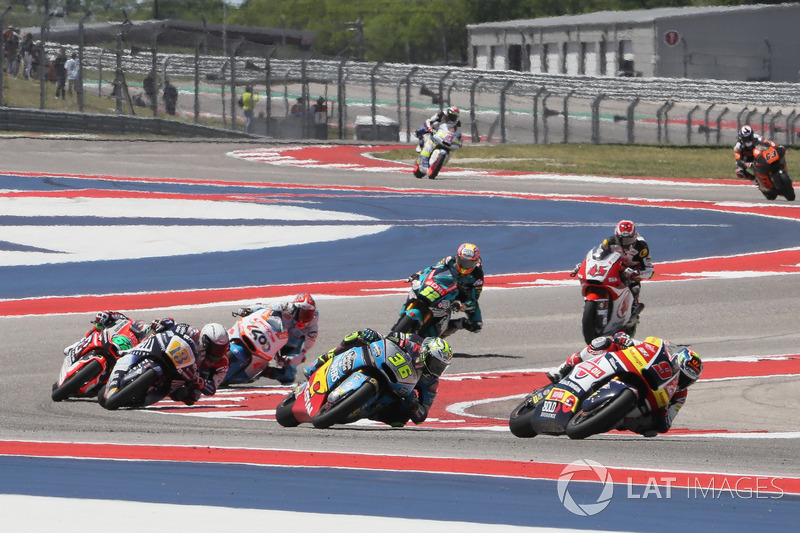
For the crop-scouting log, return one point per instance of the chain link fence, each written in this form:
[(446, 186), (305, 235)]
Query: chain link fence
[(306, 97)]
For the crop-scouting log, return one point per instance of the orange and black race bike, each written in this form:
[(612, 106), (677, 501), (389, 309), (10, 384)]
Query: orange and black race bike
[(770, 172), (87, 363), (600, 393)]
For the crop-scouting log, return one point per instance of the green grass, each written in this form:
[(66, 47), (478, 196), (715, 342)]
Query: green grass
[(603, 159)]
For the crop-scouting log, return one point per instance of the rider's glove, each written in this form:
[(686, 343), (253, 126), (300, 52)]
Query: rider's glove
[(419, 414), (623, 339), (471, 325), (162, 324), (368, 335), (631, 273), (412, 277), (102, 318), (243, 311), (574, 271), (206, 386)]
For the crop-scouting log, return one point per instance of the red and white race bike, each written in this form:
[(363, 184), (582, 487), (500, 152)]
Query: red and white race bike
[(607, 298), (88, 363)]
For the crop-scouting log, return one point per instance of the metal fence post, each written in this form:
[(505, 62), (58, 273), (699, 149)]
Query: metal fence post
[(708, 126), (2, 54), (536, 97), (340, 95), (408, 101), (789, 118), (373, 97), (719, 124), (631, 120), (441, 89), (508, 84), (596, 118), (689, 124), (268, 83), (566, 116), (81, 46), (472, 118)]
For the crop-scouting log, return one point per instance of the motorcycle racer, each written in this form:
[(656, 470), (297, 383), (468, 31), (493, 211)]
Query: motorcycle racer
[(301, 320), (466, 266), (107, 319), (687, 362), (431, 357), (743, 151), (627, 240), (450, 115), (426, 144)]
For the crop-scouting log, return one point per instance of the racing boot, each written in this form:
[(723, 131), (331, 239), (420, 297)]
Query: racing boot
[(452, 327), (561, 372)]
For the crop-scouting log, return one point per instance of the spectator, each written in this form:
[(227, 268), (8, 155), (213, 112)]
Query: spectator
[(73, 67), (27, 54), (298, 109), (320, 110), (11, 38), (150, 88), (249, 99), (60, 68), (170, 97)]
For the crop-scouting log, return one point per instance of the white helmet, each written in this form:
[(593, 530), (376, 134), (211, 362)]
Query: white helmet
[(214, 341)]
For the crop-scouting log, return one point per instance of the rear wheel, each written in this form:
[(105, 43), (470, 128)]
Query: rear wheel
[(602, 418), (787, 190), (338, 413), (71, 386), (591, 329), (133, 392), (520, 423), (284, 415)]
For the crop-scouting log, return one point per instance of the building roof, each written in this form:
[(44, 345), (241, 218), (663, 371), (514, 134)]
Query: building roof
[(636, 16)]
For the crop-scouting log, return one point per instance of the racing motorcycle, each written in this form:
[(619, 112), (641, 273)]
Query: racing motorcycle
[(776, 182), (607, 299), (352, 385), (88, 362), (161, 365), (430, 304), (600, 393), (256, 340), (445, 140)]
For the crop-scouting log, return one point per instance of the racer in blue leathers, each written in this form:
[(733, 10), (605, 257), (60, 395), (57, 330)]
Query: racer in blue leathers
[(431, 356), (466, 267)]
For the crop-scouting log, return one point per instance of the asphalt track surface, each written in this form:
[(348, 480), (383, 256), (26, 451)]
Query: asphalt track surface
[(738, 309)]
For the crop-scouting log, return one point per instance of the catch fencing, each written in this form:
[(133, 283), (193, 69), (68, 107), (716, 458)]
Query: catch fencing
[(382, 101)]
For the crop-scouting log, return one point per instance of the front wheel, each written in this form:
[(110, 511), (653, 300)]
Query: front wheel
[(283, 413), (591, 329), (521, 421), (437, 167), (338, 413), (132, 392), (406, 324), (602, 418), (72, 385)]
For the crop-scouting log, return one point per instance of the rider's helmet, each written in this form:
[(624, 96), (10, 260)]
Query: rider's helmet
[(452, 113), (214, 341), (467, 258), (746, 136), (690, 367), (626, 233), (303, 309), (435, 355), (623, 339)]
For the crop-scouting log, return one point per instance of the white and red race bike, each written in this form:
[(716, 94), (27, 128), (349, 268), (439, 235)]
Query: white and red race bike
[(439, 144), (607, 298)]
